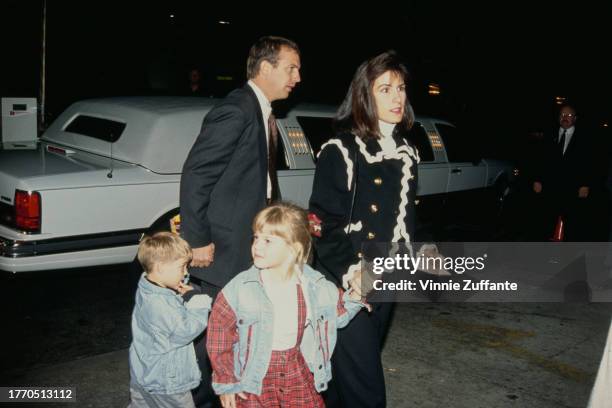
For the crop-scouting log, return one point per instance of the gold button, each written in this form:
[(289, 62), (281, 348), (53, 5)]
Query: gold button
[(371, 235), (378, 181), (373, 208)]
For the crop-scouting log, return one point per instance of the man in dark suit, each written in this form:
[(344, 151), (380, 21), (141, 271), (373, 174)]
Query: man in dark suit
[(228, 175), (566, 176)]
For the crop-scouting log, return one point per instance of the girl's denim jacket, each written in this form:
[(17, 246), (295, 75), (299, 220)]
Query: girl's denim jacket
[(240, 330), (162, 358)]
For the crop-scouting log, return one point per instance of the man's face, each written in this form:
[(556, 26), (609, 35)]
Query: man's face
[(567, 117), (390, 96), (282, 78)]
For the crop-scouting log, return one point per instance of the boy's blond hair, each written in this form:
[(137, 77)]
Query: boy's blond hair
[(289, 222), (162, 247)]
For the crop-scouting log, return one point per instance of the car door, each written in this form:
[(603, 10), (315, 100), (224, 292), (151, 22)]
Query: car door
[(467, 170), (433, 169), (300, 137)]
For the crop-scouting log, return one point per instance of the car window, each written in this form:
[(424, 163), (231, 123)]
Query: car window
[(459, 147), (419, 139), (103, 129), (317, 131)]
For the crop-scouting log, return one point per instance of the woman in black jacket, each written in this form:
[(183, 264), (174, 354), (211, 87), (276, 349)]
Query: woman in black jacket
[(364, 191)]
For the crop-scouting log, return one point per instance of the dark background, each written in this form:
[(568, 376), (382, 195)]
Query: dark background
[(499, 65)]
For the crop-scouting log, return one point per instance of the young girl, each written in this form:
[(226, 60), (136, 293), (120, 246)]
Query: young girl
[(273, 327)]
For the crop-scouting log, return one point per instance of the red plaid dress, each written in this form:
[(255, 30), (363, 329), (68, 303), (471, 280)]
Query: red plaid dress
[(288, 382)]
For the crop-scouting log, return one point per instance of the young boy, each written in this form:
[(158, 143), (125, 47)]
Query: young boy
[(167, 316)]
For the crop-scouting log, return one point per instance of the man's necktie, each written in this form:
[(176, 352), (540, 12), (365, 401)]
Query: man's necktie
[(272, 149), (562, 142)]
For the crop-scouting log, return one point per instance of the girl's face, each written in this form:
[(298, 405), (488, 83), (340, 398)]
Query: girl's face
[(272, 252), (390, 96)]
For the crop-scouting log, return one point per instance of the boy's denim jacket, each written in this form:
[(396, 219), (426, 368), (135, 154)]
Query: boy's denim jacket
[(240, 330), (162, 358)]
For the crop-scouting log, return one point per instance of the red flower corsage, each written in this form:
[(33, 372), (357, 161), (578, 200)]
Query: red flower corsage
[(314, 224)]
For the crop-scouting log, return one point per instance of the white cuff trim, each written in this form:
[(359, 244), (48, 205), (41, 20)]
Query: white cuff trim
[(349, 274), (354, 227)]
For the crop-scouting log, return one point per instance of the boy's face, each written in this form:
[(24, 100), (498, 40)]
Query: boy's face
[(271, 251), (170, 274)]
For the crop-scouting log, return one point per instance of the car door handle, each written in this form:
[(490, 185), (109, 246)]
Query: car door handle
[(457, 170)]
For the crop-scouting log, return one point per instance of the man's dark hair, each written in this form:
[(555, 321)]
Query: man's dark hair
[(358, 113), (267, 49)]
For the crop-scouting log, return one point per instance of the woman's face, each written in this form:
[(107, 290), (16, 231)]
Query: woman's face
[(389, 92)]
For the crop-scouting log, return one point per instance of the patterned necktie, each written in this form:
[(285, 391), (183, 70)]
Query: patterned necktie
[(272, 149), (562, 142)]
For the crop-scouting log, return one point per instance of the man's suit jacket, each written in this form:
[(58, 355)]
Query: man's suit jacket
[(565, 173), (223, 185)]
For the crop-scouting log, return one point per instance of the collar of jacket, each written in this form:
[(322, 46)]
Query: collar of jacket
[(308, 275), (147, 286), (373, 147), (308, 280)]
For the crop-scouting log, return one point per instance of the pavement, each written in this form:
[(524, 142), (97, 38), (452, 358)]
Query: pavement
[(436, 355)]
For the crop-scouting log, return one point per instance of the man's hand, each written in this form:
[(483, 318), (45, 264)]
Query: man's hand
[(203, 256), (537, 187), (583, 192), (229, 400)]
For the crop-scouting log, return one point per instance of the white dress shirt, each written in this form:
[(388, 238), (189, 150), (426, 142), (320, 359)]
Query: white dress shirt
[(266, 110), (568, 136)]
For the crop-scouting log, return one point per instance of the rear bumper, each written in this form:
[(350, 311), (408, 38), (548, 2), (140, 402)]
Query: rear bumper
[(68, 260), (68, 252)]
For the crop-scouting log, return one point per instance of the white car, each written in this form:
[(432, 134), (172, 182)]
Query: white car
[(108, 170)]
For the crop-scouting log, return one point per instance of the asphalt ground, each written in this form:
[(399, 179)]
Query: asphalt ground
[(73, 329)]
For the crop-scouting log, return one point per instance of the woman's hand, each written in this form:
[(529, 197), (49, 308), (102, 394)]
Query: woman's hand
[(355, 286), (360, 287)]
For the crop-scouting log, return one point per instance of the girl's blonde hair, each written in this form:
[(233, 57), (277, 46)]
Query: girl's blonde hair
[(162, 247), (289, 222)]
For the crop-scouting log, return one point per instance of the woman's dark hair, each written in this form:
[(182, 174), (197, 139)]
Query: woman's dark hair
[(358, 113)]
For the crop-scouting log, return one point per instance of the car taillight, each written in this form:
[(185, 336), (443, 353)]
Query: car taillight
[(27, 210)]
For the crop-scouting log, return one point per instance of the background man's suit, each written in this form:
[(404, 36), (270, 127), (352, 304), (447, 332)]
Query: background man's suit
[(562, 175)]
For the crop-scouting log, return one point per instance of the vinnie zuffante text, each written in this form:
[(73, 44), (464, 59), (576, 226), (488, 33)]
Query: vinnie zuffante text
[(459, 265)]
